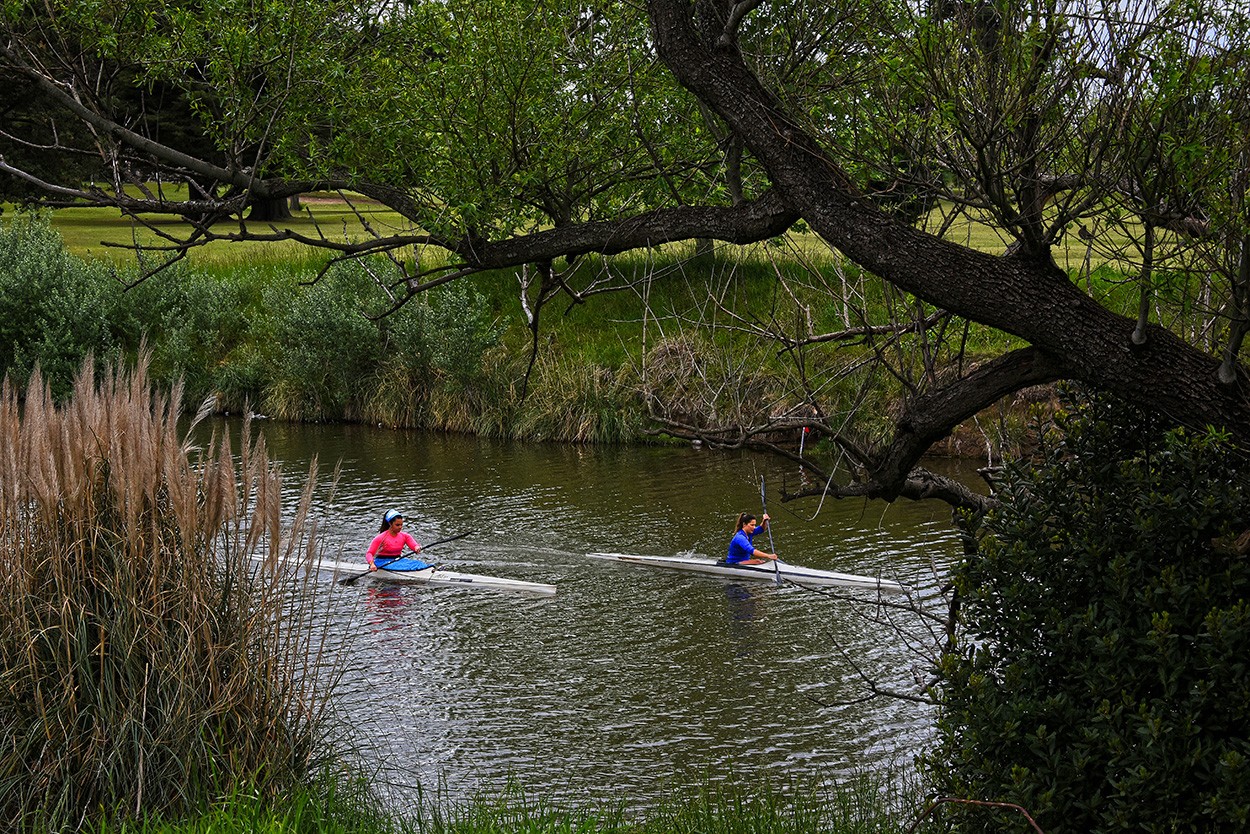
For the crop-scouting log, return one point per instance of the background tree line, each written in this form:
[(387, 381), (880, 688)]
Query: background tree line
[(514, 138)]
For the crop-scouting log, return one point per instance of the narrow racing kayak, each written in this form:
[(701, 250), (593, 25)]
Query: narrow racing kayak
[(759, 573), (417, 571)]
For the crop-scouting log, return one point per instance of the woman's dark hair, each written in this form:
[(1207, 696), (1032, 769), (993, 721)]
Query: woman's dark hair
[(744, 519), (387, 518)]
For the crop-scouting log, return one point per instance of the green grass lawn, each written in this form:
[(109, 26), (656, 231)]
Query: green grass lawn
[(104, 234)]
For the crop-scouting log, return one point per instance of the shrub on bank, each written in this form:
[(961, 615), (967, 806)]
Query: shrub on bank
[(54, 308), (1100, 680), (274, 337), (270, 338)]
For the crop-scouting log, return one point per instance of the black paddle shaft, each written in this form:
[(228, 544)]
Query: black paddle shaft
[(771, 546)]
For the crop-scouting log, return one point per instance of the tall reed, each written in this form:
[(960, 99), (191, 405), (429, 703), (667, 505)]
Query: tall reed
[(154, 658)]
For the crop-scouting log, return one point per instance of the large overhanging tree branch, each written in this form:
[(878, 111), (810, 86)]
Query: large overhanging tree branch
[(474, 238), (67, 98), (745, 222), (1025, 295)]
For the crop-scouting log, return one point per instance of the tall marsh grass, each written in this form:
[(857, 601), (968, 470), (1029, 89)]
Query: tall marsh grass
[(868, 804), (151, 661)]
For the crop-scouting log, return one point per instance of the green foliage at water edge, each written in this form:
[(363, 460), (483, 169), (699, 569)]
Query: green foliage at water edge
[(864, 805), (1100, 679)]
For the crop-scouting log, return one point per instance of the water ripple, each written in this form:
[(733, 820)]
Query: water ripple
[(629, 676)]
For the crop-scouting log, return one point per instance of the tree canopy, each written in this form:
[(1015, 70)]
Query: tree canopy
[(532, 135)]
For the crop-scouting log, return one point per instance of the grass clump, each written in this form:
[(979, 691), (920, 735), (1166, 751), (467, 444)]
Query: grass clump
[(321, 808), (867, 804), (862, 805), (151, 661)]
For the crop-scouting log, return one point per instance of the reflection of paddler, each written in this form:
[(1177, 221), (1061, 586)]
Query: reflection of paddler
[(742, 550), (741, 602), (384, 597), (742, 630)]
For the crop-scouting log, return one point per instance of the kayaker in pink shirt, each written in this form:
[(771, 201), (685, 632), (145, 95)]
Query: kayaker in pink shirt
[(391, 539)]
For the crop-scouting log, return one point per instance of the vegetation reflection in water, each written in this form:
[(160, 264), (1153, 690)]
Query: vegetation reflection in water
[(629, 678)]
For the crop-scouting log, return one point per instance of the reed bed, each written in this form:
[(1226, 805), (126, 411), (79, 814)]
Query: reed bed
[(155, 656), (867, 804)]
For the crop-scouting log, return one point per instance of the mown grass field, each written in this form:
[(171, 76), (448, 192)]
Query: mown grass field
[(105, 233), (102, 233)]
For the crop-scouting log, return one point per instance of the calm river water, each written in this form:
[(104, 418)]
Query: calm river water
[(631, 679)]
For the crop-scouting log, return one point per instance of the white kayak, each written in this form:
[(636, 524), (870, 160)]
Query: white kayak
[(759, 573), (416, 571)]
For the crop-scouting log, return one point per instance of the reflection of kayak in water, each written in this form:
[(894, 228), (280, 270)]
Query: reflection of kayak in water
[(766, 572)]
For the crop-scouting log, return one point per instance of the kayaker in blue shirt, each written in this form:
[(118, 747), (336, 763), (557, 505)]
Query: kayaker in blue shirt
[(742, 550)]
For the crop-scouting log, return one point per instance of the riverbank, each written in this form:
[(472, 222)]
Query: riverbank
[(265, 335), (863, 806)]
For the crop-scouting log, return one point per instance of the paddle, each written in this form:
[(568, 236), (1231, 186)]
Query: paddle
[(771, 546), (351, 580)]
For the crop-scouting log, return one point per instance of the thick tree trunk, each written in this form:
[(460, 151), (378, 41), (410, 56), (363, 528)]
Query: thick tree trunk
[(1030, 298), (270, 209)]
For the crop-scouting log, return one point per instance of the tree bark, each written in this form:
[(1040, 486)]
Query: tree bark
[(1029, 298), (271, 208)]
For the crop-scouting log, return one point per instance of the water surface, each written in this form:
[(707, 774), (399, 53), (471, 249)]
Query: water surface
[(631, 678)]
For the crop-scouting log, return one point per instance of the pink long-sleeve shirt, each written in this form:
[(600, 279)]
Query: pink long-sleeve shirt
[(389, 546)]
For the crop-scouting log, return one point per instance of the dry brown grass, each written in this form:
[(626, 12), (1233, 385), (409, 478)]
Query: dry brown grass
[(154, 655)]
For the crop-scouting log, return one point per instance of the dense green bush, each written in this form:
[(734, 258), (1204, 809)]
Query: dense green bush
[(55, 309), (261, 333), (458, 331), (201, 329), (1102, 676), (324, 350)]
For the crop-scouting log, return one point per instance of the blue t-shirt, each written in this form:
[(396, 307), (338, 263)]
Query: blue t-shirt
[(741, 547)]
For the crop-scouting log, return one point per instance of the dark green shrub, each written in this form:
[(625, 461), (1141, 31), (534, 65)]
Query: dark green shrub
[(324, 349), (398, 392), (199, 327), (1102, 676), (54, 308), (459, 329)]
